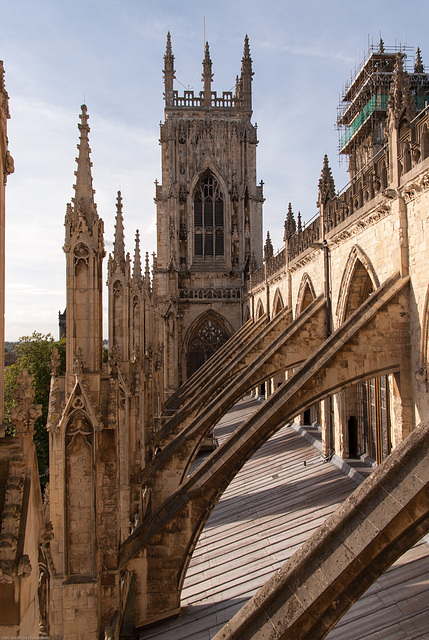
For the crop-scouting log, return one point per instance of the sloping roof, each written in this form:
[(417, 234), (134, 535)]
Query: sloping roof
[(276, 501)]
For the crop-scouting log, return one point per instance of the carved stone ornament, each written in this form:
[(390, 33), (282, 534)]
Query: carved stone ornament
[(78, 362), (11, 565), (114, 358), (135, 356), (55, 361), (24, 413), (9, 164)]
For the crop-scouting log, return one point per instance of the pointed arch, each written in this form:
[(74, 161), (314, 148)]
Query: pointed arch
[(306, 294), (358, 281), (204, 337), (208, 218), (278, 304), (208, 166), (80, 401), (259, 310)]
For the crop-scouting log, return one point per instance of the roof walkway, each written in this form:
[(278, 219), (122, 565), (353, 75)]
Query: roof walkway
[(282, 494)]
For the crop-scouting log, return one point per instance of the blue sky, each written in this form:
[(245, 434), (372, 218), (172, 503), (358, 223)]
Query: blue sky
[(109, 53)]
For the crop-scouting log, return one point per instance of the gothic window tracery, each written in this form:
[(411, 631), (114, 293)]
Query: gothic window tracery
[(208, 219), (207, 337)]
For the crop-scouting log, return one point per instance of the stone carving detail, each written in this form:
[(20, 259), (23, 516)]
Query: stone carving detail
[(10, 566), (114, 358), (208, 294), (56, 407), (112, 406), (211, 332), (381, 212), (423, 181), (135, 356), (24, 413), (55, 362), (78, 362)]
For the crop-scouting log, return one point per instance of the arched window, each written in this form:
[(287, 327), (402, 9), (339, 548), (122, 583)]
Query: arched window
[(208, 219), (208, 335)]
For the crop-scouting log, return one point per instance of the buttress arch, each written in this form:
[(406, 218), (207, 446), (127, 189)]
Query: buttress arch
[(204, 337), (246, 314), (306, 294), (359, 280), (259, 310), (278, 304)]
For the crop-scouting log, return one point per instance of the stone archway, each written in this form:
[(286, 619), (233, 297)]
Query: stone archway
[(363, 410), (207, 334), (306, 294), (327, 370), (277, 303), (259, 310)]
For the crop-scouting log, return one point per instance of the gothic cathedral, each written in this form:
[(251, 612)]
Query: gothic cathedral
[(209, 216), (104, 417)]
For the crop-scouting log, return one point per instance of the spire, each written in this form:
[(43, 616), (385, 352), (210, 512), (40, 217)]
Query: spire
[(84, 193), (168, 73), (299, 227), (326, 184), (246, 76), (418, 65), (119, 244), (207, 77), (268, 248), (401, 105), (137, 268)]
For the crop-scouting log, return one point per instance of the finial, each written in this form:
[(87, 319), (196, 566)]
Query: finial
[(252, 263), (401, 103), (246, 54), (207, 77), (84, 193), (147, 272), (268, 248), (246, 76), (299, 228), (326, 184), (119, 243), (168, 50), (137, 269), (418, 65), (290, 224), (169, 73), (381, 46)]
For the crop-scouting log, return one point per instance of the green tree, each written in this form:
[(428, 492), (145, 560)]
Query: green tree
[(34, 354)]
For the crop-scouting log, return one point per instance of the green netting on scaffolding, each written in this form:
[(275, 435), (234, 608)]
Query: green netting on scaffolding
[(421, 101), (377, 103)]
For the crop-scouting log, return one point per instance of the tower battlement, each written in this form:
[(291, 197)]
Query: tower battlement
[(207, 99)]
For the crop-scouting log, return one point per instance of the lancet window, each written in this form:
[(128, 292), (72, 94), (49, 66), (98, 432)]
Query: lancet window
[(208, 219)]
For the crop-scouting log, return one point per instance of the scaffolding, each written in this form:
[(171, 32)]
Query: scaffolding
[(363, 106)]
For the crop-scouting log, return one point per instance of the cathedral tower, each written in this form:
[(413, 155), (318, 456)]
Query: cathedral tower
[(209, 216)]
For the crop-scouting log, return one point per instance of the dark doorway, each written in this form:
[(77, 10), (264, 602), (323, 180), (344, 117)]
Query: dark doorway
[(353, 437)]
